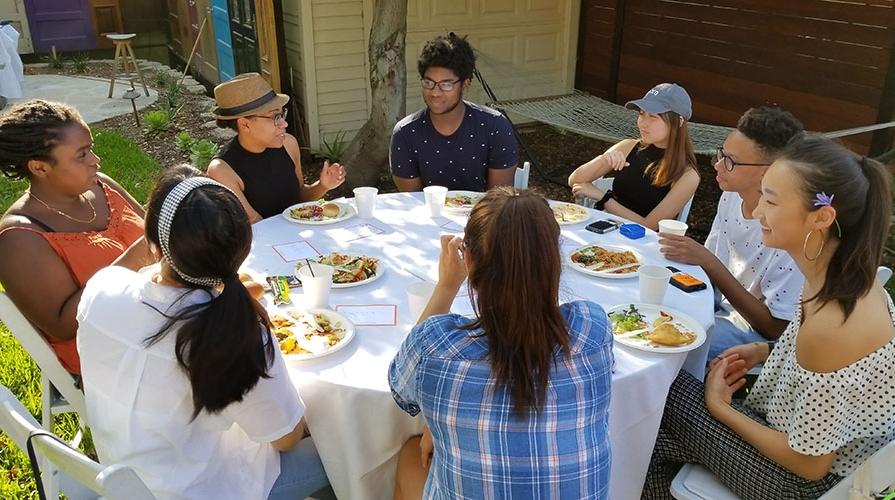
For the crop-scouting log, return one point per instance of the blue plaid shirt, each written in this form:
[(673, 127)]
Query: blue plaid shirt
[(482, 449)]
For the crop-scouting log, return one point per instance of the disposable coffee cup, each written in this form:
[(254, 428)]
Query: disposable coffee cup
[(672, 226), (365, 199), (653, 283), (316, 286), (435, 197), (418, 295)]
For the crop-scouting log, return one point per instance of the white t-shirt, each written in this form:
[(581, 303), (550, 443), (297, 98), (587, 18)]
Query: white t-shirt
[(769, 274), (139, 400)]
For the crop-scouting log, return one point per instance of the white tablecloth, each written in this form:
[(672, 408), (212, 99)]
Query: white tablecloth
[(357, 427)]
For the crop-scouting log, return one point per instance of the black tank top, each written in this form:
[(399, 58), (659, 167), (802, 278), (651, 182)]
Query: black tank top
[(633, 186), (269, 177)]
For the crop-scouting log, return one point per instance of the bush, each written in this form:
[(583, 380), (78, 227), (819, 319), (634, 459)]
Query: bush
[(202, 152), (162, 79), (80, 61), (171, 97), (54, 61), (332, 151), (184, 141), (157, 121)]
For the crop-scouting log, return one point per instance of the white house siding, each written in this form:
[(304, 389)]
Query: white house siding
[(525, 48)]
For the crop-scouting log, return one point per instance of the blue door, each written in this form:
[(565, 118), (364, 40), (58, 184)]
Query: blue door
[(223, 43)]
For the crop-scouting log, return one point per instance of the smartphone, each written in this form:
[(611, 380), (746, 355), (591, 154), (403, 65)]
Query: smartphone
[(601, 226), (685, 281)]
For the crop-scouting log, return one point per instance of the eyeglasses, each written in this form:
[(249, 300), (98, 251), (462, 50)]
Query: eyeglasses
[(277, 118), (729, 164), (444, 85)]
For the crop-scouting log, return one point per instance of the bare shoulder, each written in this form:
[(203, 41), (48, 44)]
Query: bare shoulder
[(828, 342), (222, 172), (292, 147)]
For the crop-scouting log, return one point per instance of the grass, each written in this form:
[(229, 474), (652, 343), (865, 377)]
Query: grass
[(132, 168)]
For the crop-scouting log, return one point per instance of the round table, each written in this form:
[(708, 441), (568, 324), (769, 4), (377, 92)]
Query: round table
[(357, 427)]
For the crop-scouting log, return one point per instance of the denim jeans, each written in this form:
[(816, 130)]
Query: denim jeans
[(730, 329), (301, 473)]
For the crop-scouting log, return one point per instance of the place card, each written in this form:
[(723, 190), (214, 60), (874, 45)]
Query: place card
[(356, 232), (370, 314), (452, 227), (298, 250)]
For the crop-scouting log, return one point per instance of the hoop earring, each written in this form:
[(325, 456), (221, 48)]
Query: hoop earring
[(805, 245)]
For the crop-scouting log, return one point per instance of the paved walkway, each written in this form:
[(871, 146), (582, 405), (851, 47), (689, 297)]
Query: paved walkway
[(87, 94)]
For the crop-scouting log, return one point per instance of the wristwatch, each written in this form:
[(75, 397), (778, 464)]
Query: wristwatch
[(602, 202)]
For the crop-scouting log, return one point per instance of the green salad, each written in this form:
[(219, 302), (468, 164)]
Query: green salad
[(627, 320)]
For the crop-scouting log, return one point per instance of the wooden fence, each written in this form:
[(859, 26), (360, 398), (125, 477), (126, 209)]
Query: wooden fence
[(829, 62)]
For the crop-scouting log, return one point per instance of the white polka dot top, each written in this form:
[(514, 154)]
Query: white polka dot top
[(850, 411)]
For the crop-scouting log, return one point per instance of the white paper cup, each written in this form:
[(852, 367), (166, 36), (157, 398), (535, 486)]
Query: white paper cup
[(315, 289), (435, 196), (653, 283), (365, 199), (418, 295), (672, 226)]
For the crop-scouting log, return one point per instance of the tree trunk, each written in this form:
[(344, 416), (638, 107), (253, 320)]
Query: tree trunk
[(366, 158)]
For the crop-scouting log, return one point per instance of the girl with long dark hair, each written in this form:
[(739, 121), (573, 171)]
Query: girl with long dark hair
[(182, 377), (823, 401), (517, 398)]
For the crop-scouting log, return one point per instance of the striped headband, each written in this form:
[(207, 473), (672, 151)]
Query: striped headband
[(166, 217)]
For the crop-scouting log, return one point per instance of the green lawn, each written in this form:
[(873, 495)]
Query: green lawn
[(132, 168)]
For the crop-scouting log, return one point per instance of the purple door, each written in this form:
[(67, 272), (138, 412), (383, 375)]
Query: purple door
[(63, 23)]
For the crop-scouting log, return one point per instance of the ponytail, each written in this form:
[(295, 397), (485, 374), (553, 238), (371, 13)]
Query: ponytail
[(223, 343)]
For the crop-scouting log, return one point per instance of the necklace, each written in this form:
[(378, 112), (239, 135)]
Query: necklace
[(69, 217)]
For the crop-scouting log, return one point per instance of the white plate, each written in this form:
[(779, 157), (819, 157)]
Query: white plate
[(650, 312), (334, 317), (461, 210), (583, 218), (578, 267), (346, 211), (380, 268)]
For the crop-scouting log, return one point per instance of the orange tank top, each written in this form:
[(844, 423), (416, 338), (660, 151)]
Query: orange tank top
[(86, 253)]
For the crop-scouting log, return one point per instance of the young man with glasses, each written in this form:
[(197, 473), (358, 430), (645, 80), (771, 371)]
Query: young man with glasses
[(760, 285), (451, 142), (262, 164)]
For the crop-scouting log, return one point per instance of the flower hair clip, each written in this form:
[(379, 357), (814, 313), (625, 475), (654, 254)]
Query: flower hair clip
[(823, 200)]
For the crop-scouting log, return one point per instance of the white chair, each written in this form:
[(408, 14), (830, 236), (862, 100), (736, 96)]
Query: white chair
[(694, 482), (81, 477), (605, 184), (883, 274), (59, 394), (520, 181)]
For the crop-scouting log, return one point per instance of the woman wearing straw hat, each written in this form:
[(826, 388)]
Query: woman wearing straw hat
[(262, 164)]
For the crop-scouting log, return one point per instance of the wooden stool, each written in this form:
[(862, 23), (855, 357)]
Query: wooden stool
[(123, 51)]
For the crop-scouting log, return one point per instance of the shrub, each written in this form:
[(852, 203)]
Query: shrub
[(162, 79), (54, 60), (157, 121), (171, 97), (202, 152), (80, 61), (332, 151), (184, 141)]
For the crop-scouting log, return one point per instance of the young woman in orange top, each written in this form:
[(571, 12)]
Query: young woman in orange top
[(69, 223)]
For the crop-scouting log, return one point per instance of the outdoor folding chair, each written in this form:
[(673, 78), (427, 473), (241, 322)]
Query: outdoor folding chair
[(877, 474), (81, 478), (520, 181), (883, 274), (59, 393)]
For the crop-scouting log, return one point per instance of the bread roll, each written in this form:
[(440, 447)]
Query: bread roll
[(255, 289), (331, 210)]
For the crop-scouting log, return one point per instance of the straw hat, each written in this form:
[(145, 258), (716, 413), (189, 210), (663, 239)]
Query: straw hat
[(244, 95)]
